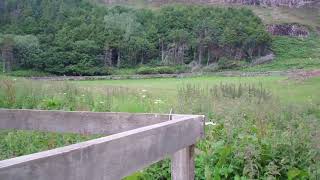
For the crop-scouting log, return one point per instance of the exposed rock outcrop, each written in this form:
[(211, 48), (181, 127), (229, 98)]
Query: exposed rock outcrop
[(290, 3), (294, 30), (263, 60)]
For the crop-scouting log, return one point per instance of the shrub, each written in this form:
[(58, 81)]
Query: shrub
[(147, 70), (162, 70), (28, 73), (87, 71), (166, 70)]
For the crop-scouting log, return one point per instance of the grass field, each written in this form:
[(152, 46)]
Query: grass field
[(264, 126), (283, 88)]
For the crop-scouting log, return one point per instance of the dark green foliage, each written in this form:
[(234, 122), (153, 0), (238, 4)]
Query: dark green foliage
[(68, 37), (28, 73), (159, 171), (161, 70)]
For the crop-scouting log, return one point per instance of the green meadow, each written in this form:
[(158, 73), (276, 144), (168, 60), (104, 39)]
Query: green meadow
[(263, 127), (284, 88)]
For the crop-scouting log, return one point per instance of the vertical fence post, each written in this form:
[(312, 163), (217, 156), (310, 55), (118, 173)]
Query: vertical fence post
[(182, 161), (182, 164)]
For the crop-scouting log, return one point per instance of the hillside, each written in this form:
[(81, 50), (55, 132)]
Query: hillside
[(69, 38), (85, 38), (308, 13)]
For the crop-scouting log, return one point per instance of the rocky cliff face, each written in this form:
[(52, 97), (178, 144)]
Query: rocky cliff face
[(290, 3), (294, 30)]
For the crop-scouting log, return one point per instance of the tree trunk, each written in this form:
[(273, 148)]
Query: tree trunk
[(119, 59), (7, 55), (182, 55), (106, 59), (208, 56), (3, 66), (200, 54), (142, 57), (162, 52)]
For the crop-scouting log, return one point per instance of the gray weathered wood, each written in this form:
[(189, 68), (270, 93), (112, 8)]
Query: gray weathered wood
[(109, 158), (182, 164), (76, 122)]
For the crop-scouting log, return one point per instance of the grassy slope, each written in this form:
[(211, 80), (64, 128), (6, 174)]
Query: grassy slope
[(308, 15), (293, 53)]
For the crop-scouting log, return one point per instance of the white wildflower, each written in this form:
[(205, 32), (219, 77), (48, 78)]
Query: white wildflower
[(158, 101), (210, 123)]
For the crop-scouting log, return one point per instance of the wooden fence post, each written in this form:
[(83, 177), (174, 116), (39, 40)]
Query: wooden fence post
[(182, 164)]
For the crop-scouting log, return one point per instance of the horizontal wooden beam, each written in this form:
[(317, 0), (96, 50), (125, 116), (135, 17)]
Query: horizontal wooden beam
[(108, 158), (76, 122)]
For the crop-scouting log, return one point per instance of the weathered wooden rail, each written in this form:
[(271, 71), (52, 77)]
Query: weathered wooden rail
[(132, 142)]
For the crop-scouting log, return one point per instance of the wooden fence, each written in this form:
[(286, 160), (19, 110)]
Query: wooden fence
[(132, 142)]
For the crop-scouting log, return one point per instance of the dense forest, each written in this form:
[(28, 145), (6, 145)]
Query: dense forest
[(77, 37)]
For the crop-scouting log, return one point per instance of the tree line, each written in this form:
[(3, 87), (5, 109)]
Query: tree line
[(77, 37)]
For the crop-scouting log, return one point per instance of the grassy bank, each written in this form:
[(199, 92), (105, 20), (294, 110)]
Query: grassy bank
[(263, 127), (293, 53)]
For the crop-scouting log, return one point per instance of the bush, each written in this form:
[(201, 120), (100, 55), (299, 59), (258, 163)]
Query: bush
[(87, 71), (146, 70), (162, 70), (182, 69), (165, 70), (29, 73)]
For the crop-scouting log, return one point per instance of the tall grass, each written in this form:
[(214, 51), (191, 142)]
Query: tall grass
[(15, 143), (252, 136), (196, 99), (27, 94)]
